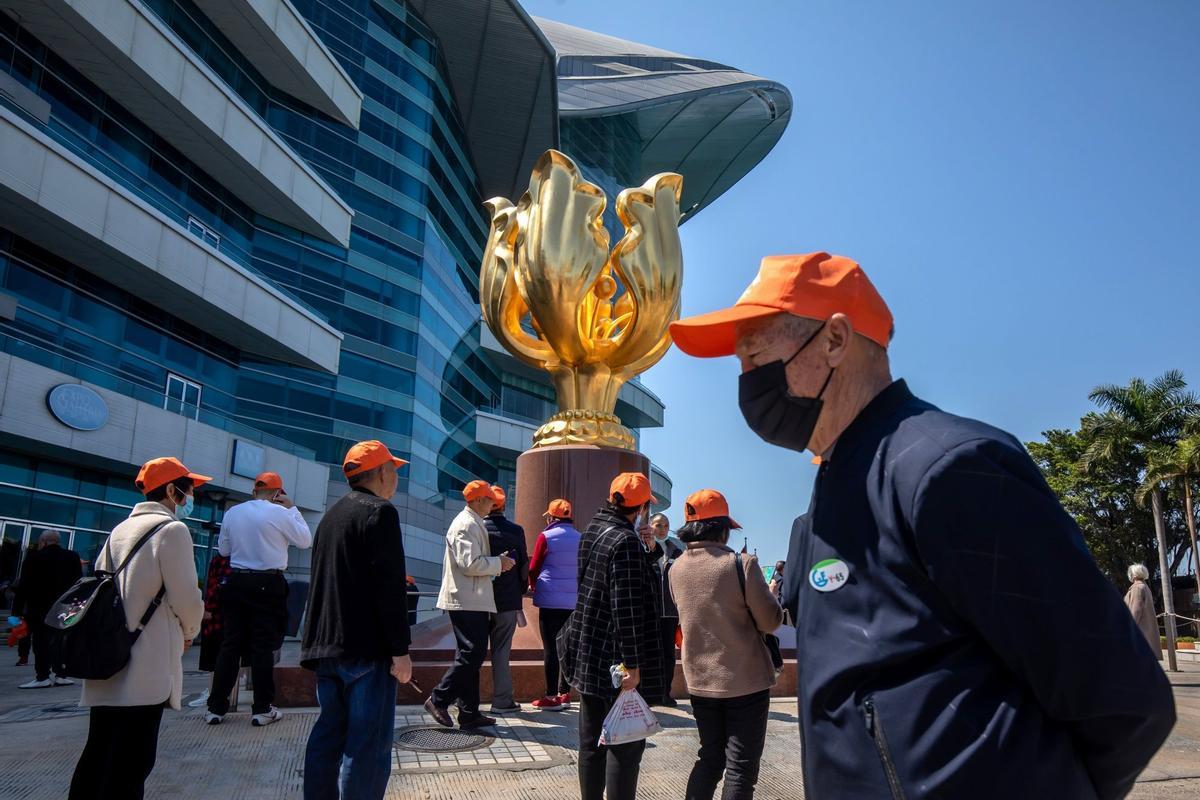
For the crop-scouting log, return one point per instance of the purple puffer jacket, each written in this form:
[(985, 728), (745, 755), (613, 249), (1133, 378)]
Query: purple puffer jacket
[(557, 583)]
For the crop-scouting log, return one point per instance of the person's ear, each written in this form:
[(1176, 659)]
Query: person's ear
[(840, 334)]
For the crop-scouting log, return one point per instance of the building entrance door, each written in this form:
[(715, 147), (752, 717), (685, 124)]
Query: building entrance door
[(14, 540)]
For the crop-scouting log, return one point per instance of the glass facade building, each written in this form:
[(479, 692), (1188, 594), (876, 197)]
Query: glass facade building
[(322, 295)]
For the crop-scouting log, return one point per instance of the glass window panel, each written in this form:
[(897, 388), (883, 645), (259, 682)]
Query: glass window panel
[(56, 478), (16, 469), (88, 545), (14, 502)]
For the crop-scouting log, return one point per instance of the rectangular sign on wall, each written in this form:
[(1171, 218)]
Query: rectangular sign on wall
[(247, 459)]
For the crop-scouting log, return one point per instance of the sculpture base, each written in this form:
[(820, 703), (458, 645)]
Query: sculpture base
[(580, 474), (585, 428)]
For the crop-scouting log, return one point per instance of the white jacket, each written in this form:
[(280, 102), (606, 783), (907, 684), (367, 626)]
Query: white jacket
[(154, 673), (468, 566)]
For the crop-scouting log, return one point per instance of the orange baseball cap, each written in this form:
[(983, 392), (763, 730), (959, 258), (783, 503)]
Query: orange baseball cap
[(560, 509), (268, 480), (499, 496), (630, 489), (368, 455), (157, 471), (477, 489), (707, 504), (812, 285)]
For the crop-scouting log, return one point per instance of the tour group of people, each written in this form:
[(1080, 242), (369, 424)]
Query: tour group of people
[(948, 615)]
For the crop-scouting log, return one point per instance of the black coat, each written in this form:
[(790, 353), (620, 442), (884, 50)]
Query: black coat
[(617, 611), (967, 645), (47, 573), (358, 598), (673, 551), (505, 536)]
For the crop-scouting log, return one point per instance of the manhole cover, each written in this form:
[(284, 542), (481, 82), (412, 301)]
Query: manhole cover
[(439, 740)]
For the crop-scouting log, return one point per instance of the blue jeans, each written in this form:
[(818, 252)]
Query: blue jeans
[(349, 751)]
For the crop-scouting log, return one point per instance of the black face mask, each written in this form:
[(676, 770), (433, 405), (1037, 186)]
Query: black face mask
[(772, 412)]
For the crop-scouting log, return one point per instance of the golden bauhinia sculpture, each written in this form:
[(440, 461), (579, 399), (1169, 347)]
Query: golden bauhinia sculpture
[(558, 300)]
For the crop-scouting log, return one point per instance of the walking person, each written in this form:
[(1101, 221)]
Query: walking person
[(508, 590), (126, 709), (255, 536), (949, 609), (1140, 602), (616, 621), (554, 575), (414, 599), (356, 634), (47, 573), (725, 607), (672, 549), (213, 627), (466, 593)]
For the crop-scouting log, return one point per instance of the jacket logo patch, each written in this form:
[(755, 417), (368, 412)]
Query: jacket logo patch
[(828, 575)]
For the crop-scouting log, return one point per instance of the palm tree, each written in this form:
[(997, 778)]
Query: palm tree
[(1147, 417), (1180, 466)]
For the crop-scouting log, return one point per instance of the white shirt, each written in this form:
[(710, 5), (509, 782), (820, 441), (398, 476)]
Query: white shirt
[(256, 535)]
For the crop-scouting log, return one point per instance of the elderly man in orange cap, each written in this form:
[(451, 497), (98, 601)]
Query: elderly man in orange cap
[(468, 568), (508, 589), (356, 634), (255, 536), (616, 621), (948, 612)]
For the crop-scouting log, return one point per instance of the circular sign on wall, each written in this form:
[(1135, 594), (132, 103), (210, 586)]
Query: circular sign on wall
[(77, 406)]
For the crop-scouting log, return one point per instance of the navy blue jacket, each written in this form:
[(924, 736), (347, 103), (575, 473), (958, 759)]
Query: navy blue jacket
[(966, 646), (505, 536)]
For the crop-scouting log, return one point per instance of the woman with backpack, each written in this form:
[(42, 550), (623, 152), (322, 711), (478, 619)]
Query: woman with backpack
[(126, 709), (726, 663)]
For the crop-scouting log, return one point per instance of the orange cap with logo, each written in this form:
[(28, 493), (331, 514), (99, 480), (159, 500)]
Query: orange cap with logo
[(500, 497), (476, 490), (560, 509), (812, 285), (158, 471), (368, 455), (630, 489), (706, 504), (268, 480)]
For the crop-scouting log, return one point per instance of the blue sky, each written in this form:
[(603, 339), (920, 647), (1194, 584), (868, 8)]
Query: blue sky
[(1021, 180)]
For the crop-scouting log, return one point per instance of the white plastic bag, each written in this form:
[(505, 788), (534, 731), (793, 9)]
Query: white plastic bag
[(629, 720)]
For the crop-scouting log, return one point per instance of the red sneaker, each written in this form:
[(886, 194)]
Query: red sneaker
[(564, 699), (548, 703)]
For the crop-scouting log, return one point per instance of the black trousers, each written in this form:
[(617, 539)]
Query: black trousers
[(732, 732), (119, 755), (461, 682), (254, 610), (602, 767), (43, 645), (550, 621), (667, 627)]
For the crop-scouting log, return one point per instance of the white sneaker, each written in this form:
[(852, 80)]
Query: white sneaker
[(201, 701), (259, 720), (36, 684), (213, 719), (60, 681)]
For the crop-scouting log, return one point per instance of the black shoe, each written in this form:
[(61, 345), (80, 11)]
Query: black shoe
[(440, 715), (479, 721), (669, 702)]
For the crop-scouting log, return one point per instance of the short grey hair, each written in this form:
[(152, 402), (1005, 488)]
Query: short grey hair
[(1137, 572), (657, 517), (51, 536)]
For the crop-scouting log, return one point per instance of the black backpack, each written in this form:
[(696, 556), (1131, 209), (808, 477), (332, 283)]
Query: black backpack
[(90, 636)]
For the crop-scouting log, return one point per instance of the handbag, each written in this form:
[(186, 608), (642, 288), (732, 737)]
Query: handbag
[(769, 639)]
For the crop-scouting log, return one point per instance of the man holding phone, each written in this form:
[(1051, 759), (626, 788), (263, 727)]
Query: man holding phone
[(255, 536)]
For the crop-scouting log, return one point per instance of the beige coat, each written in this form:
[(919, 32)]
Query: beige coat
[(154, 673), (468, 567), (723, 650), (1141, 605)]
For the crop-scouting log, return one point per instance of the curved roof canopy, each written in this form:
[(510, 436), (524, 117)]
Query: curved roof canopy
[(518, 80), (708, 121)]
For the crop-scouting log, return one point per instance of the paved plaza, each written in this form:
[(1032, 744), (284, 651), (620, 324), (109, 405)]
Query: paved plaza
[(530, 756)]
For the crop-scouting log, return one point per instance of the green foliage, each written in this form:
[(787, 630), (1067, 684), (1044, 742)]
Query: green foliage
[(1102, 500), (1121, 454)]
